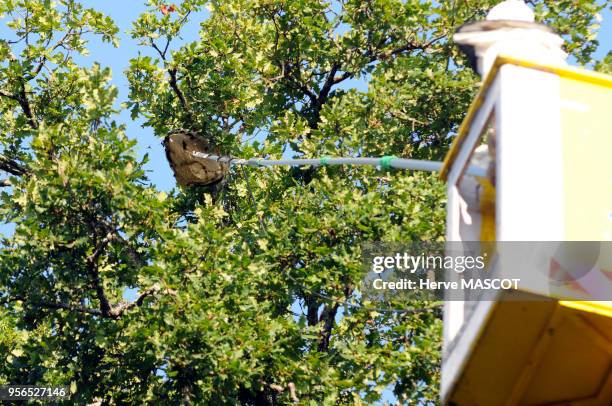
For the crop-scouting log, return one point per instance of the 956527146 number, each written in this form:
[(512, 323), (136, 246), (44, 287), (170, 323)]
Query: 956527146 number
[(27, 392)]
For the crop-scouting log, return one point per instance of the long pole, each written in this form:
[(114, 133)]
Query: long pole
[(384, 162)]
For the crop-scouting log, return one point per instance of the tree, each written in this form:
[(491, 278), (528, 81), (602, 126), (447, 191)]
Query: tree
[(248, 297)]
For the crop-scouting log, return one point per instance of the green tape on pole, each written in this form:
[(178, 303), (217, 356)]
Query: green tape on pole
[(385, 161), (324, 161)]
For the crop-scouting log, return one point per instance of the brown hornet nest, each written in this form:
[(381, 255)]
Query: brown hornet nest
[(190, 170)]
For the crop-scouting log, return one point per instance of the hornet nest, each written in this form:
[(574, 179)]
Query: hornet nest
[(191, 170)]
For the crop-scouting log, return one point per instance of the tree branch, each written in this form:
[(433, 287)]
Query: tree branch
[(280, 389), (43, 59), (172, 72), (22, 99), (312, 306), (136, 258), (114, 312), (329, 82), (24, 103), (296, 84), (177, 90), (328, 317), (373, 57), (293, 392), (10, 166), (8, 95), (121, 308), (94, 272), (52, 305), (161, 53)]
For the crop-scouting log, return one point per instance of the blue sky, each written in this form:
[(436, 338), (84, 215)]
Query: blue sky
[(126, 11)]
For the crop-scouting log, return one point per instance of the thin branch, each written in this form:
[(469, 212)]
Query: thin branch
[(27, 30), (22, 98), (279, 389), (329, 82), (296, 84), (92, 266), (120, 309), (167, 46), (177, 90), (184, 18), (114, 313), (328, 316), (10, 166), (59, 43), (172, 72), (293, 392), (343, 77), (161, 53), (25, 105), (52, 305), (386, 54), (8, 95), (115, 236)]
